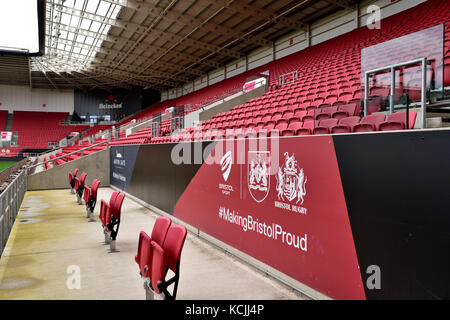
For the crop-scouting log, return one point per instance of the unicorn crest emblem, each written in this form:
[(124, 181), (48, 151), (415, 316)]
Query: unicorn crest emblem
[(291, 181)]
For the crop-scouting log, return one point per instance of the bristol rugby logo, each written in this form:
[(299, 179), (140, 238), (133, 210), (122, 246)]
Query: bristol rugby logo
[(291, 182), (258, 174)]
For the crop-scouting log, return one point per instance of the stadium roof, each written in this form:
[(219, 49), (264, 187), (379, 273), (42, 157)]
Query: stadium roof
[(159, 44)]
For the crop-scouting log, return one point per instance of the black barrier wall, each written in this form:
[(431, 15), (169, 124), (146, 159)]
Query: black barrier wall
[(396, 189), (150, 175), (396, 193)]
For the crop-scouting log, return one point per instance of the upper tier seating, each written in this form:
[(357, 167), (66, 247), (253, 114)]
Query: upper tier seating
[(329, 77), (28, 123)]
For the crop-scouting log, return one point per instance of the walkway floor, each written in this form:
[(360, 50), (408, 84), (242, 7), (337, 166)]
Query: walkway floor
[(52, 242)]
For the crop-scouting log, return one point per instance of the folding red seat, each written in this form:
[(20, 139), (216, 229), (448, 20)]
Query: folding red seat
[(167, 258), (370, 123), (79, 187), (90, 197), (281, 126), (346, 124), (276, 117), (324, 126), (309, 124), (340, 129), (143, 256), (105, 208), (287, 133), (288, 114), (112, 220), (307, 118), (330, 99), (300, 113), (349, 109), (391, 126), (266, 118), (269, 125), (302, 132), (322, 116), (397, 121), (72, 180)]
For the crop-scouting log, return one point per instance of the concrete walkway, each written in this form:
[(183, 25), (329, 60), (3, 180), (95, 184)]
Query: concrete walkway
[(52, 242)]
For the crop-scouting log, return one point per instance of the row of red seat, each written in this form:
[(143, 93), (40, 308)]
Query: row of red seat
[(110, 212), (156, 255), (329, 74)]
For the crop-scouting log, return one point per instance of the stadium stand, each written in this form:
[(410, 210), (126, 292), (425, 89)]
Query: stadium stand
[(316, 91)]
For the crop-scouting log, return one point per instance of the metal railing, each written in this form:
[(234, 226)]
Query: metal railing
[(220, 98), (32, 168), (10, 201), (392, 68), (288, 78)]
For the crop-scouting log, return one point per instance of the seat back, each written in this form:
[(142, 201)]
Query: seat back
[(94, 188), (390, 126), (374, 119), (157, 272), (173, 245), (105, 206), (83, 179), (75, 172), (160, 229), (144, 254), (401, 117), (117, 206)]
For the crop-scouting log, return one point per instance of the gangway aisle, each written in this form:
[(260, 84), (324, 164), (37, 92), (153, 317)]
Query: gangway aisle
[(54, 253)]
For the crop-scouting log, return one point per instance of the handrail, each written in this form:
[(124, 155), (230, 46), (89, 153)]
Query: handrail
[(223, 97), (68, 154), (31, 154), (10, 200), (294, 78)]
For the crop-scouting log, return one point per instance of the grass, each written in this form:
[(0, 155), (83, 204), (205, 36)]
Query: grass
[(6, 164)]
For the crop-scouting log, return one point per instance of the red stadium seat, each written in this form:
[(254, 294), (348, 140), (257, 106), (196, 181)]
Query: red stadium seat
[(372, 120), (90, 197), (72, 177), (144, 253), (168, 258), (79, 187), (105, 210), (112, 220)]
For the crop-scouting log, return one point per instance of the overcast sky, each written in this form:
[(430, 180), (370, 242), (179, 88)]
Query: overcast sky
[(19, 24)]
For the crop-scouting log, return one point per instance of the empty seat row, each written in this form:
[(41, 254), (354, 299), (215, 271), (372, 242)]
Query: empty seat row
[(110, 212)]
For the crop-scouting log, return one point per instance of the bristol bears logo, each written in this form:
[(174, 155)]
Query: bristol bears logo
[(291, 182), (258, 174)]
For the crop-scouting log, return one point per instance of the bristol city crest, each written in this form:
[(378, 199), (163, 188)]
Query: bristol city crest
[(258, 178), (291, 182)]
